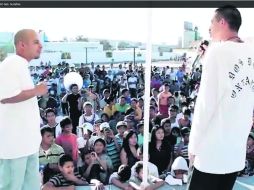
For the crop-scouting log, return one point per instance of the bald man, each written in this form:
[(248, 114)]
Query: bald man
[(20, 116)]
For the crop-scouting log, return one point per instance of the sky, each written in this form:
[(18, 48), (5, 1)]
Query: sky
[(116, 23)]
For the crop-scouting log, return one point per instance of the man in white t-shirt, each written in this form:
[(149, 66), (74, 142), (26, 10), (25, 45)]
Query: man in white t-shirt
[(20, 116), (223, 112), (132, 85)]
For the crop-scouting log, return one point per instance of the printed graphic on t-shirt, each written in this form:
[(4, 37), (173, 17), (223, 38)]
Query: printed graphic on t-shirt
[(245, 81)]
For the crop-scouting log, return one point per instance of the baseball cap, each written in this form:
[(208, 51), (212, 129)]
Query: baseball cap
[(121, 123), (87, 126), (98, 121), (140, 123), (87, 103), (90, 86), (104, 125)]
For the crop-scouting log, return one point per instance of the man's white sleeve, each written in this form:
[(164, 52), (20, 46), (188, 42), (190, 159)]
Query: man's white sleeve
[(207, 100)]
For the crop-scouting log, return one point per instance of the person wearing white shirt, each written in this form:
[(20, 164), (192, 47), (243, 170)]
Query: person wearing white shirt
[(132, 85), (223, 112), (88, 117), (20, 116), (51, 119)]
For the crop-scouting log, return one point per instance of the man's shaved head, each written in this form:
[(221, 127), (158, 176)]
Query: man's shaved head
[(22, 35), (27, 44)]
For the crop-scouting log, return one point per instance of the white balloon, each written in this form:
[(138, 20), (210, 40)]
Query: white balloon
[(73, 78)]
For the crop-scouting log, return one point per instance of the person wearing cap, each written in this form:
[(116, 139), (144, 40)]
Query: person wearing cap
[(72, 66), (84, 140), (103, 126), (121, 127), (129, 120), (88, 116), (163, 100), (112, 147)]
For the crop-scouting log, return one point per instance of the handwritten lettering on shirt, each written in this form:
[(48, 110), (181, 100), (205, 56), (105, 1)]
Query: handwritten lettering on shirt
[(244, 82)]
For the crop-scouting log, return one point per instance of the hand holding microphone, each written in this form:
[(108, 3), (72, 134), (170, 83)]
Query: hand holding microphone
[(41, 89)]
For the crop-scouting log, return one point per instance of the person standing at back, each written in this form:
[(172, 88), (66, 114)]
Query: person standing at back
[(224, 107), (20, 116)]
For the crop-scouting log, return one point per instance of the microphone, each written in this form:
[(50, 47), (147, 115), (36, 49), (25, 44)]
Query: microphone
[(203, 49)]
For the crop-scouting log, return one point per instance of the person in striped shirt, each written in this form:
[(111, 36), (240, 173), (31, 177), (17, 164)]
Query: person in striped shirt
[(49, 154), (181, 149), (67, 179), (112, 147)]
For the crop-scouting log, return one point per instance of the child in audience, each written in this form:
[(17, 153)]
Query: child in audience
[(49, 154), (121, 178), (51, 122), (136, 179), (91, 170), (182, 148), (84, 141), (68, 140), (102, 159), (121, 127), (179, 172), (67, 179)]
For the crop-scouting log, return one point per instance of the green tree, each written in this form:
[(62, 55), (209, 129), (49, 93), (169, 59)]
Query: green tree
[(81, 38), (123, 45), (106, 45), (3, 54)]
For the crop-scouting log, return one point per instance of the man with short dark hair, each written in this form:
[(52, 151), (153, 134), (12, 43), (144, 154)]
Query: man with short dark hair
[(224, 107)]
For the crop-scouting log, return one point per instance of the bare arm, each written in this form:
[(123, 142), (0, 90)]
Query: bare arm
[(24, 95), (102, 163), (64, 98), (170, 162), (156, 185), (80, 103), (123, 157), (87, 172), (119, 184)]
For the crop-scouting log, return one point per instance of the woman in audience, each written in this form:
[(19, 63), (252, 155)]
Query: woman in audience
[(160, 150), (128, 154)]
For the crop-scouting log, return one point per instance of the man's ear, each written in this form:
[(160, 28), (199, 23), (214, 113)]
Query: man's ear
[(223, 21)]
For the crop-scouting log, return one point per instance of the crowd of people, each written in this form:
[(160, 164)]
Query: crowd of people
[(98, 130)]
